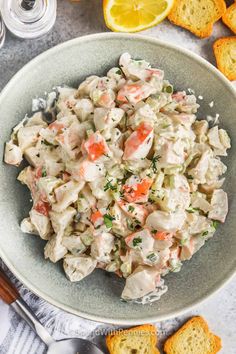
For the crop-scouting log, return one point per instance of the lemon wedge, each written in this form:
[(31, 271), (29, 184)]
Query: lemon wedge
[(135, 15)]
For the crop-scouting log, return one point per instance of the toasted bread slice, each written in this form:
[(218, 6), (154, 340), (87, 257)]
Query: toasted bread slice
[(137, 340), (225, 53), (197, 16), (229, 17), (193, 337)]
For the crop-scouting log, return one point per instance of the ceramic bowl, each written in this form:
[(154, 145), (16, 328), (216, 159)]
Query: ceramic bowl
[(98, 296)]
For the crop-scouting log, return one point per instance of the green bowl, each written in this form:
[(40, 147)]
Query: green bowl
[(98, 296)]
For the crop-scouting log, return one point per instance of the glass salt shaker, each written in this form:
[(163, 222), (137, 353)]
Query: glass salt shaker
[(2, 32), (29, 18)]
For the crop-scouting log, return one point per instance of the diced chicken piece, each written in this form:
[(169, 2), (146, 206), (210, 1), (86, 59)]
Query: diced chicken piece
[(135, 92), (163, 221), (141, 282), (102, 246), (69, 140), (83, 108), (139, 143), (178, 195), (219, 203), (66, 194), (143, 113), (74, 244), (135, 211), (215, 141), (142, 240), (103, 97), (216, 168), (54, 250), (184, 119), (13, 154), (209, 188), (85, 170), (32, 155), (200, 128), (187, 250), (98, 186), (46, 186), (87, 194), (199, 224), (36, 119), (41, 223), (96, 147), (105, 118), (136, 190), (171, 153), (199, 171), (28, 136), (162, 239), (199, 201), (61, 220), (224, 138), (77, 268), (27, 227), (88, 85)]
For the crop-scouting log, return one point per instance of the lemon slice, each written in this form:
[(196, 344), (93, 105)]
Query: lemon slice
[(135, 15)]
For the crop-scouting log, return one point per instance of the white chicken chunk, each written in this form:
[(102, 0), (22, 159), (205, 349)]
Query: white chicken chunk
[(219, 203), (102, 245), (141, 282), (83, 108), (142, 240), (66, 194), (27, 227), (13, 154), (41, 223), (74, 244), (164, 221), (61, 220), (77, 268), (54, 250), (27, 136), (107, 118)]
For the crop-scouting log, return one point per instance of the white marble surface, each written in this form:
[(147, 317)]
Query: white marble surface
[(84, 18)]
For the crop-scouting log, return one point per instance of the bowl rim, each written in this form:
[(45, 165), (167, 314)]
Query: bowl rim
[(99, 36)]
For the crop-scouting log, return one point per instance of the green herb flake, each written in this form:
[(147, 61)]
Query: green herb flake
[(108, 220), (153, 165), (215, 224), (205, 233), (130, 208), (137, 241), (44, 172), (192, 210), (152, 257), (154, 232), (108, 186), (118, 72)]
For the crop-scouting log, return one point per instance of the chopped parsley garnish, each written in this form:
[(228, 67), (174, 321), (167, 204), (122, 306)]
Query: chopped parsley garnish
[(152, 257), (137, 241), (192, 210), (118, 72), (108, 185), (215, 224), (44, 172), (205, 233), (130, 208), (154, 231), (108, 220), (153, 165)]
